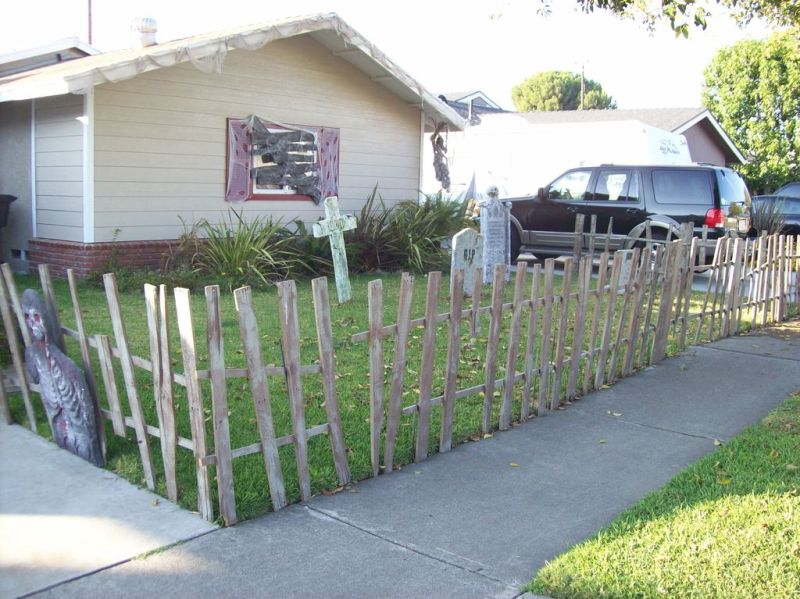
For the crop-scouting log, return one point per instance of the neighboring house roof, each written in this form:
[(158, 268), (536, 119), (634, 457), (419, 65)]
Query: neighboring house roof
[(470, 96), (677, 120), (207, 52), (61, 50)]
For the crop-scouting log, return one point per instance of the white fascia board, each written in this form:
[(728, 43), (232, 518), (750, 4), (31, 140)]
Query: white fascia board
[(33, 90)]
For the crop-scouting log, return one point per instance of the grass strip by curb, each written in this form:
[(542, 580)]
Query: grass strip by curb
[(728, 526)]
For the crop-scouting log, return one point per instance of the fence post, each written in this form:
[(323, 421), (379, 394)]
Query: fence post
[(547, 324), (400, 361), (13, 297), (17, 354), (376, 379), (613, 289), (259, 389), (52, 307), (426, 367), (219, 404), (322, 316), (666, 306), (644, 266), (453, 349), (584, 280), (598, 295), (105, 357), (578, 245), (121, 336), (290, 342), (530, 346), (623, 314), (513, 346), (183, 309), (495, 324), (558, 366)]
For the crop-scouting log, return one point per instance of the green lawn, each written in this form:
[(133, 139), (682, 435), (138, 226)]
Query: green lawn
[(728, 526)]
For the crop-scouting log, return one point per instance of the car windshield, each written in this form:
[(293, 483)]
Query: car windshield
[(790, 189), (732, 188), (786, 205)]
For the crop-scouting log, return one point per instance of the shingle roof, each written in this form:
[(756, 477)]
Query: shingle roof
[(663, 118)]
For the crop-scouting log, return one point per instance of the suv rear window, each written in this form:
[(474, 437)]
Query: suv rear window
[(683, 187), (731, 188)]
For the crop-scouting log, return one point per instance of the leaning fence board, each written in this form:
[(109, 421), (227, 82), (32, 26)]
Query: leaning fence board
[(11, 286), (451, 372), (183, 310), (558, 369), (598, 302), (584, 281), (219, 403), (17, 355), (50, 302), (5, 410), (400, 362), (712, 272), (613, 289), (513, 346), (477, 286), (322, 315), (167, 452), (623, 315), (666, 306), (86, 360), (121, 336), (376, 378), (426, 367), (544, 354), (259, 389), (495, 324), (645, 261), (166, 403), (530, 345), (290, 342), (104, 357), (654, 281), (687, 291)]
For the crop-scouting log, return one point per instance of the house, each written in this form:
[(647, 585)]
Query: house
[(520, 152), (470, 105), (110, 154)]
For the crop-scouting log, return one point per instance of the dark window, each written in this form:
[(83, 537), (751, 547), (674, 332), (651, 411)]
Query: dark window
[(571, 186), (616, 186), (683, 187)]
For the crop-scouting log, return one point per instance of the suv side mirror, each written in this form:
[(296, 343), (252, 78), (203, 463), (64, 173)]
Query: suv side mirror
[(541, 195)]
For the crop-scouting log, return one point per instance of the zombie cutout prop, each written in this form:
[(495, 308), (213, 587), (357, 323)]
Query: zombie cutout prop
[(440, 157), (69, 405)]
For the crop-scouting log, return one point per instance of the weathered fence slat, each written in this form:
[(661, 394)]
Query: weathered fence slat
[(400, 361), (561, 340), (623, 316), (11, 287), (598, 303), (183, 309), (259, 389), (17, 356), (376, 378), (86, 359), (513, 345), (578, 245), (712, 271), (495, 324), (50, 301), (544, 354), (654, 284), (290, 342), (584, 281), (781, 308), (477, 285), (166, 403), (530, 345), (104, 356), (167, 453), (666, 305), (426, 367), (219, 403), (453, 347), (640, 286), (592, 234), (687, 291), (613, 290), (5, 410), (322, 315), (128, 374)]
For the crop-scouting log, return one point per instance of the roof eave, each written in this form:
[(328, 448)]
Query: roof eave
[(706, 114)]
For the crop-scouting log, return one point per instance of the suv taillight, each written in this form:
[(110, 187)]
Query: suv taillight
[(715, 217)]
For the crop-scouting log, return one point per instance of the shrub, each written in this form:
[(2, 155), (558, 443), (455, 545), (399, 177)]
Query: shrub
[(768, 217)]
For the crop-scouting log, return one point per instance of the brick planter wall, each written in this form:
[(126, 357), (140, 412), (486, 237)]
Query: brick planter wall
[(88, 258)]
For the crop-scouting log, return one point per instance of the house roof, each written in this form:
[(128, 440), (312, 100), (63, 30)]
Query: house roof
[(466, 97), (61, 50), (677, 120), (207, 52)]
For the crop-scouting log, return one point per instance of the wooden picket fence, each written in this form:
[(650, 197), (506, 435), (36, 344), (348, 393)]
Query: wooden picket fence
[(553, 342)]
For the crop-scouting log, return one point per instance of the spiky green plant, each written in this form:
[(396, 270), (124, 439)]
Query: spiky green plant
[(768, 217)]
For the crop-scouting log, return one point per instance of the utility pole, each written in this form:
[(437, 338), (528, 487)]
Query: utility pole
[(89, 2)]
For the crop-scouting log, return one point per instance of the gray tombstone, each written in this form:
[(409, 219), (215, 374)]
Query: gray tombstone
[(496, 233), (467, 254), (626, 267)]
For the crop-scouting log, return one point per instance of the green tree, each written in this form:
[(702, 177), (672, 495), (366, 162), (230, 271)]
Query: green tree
[(559, 90), (684, 14), (753, 88)]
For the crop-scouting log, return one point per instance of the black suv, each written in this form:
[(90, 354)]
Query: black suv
[(667, 196)]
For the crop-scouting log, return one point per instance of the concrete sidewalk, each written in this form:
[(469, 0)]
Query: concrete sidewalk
[(482, 519)]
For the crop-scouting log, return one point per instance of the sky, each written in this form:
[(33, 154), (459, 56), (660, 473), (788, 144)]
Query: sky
[(490, 46)]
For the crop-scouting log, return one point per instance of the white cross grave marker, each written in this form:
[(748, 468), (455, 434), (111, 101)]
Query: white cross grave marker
[(334, 227)]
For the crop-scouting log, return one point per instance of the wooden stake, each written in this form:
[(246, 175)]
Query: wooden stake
[(426, 368), (376, 380), (491, 346), (513, 345), (453, 346)]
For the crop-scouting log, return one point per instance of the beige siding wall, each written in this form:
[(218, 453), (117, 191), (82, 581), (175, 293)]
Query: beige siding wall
[(160, 137), (15, 179), (59, 168)]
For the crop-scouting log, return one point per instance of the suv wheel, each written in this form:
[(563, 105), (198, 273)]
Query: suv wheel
[(516, 244)]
